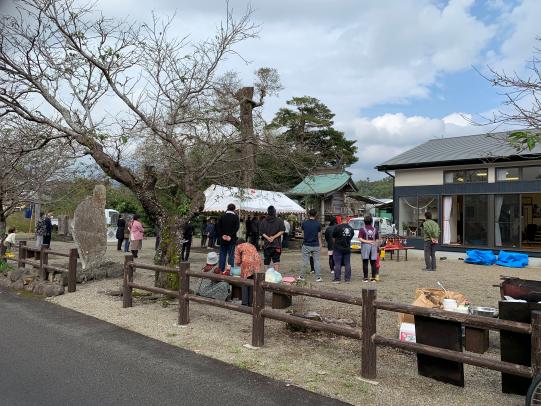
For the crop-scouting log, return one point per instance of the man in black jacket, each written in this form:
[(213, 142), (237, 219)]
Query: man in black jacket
[(227, 227), (254, 236), (48, 230), (271, 229), (187, 234), (342, 235)]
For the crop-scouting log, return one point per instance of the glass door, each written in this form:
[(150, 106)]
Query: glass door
[(507, 220), (476, 220)]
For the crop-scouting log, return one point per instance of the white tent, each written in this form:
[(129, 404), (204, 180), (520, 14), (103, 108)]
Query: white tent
[(251, 200)]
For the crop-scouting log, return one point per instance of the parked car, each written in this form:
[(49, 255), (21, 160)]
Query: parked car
[(383, 225)]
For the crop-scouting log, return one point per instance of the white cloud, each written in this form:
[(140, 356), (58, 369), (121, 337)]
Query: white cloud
[(352, 56), (380, 138), (363, 53), (520, 26)]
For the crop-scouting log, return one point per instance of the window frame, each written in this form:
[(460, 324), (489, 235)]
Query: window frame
[(464, 176)]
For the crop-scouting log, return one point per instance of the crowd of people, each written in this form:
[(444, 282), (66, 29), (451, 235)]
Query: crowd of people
[(267, 234), (273, 233)]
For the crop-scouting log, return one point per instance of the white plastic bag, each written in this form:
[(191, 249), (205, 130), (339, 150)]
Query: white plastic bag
[(273, 276)]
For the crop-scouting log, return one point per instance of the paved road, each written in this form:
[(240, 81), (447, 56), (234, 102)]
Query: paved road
[(54, 356)]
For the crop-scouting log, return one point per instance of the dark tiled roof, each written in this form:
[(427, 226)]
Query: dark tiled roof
[(470, 148)]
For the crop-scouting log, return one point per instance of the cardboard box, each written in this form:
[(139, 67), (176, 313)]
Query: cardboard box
[(430, 298)]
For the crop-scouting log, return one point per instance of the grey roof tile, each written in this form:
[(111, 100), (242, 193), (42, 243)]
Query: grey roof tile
[(442, 151)]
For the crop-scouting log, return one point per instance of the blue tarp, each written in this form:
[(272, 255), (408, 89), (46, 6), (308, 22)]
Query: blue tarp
[(487, 257), (480, 257), (512, 259)]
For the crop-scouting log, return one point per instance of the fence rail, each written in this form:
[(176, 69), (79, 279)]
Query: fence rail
[(370, 340), (534, 329), (466, 319), (258, 311), (41, 262)]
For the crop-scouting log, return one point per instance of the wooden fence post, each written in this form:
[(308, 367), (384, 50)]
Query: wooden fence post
[(258, 304), (22, 254), (43, 260), (184, 290), (128, 277), (536, 342), (72, 270), (368, 363)]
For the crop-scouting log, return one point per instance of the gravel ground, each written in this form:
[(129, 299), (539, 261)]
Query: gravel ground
[(317, 361)]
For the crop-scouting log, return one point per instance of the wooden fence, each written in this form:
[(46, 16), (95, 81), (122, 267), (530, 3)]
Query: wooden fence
[(368, 336), (39, 259), (371, 305)]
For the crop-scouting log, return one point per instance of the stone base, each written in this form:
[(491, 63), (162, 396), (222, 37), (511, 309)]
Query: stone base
[(25, 279), (107, 269)]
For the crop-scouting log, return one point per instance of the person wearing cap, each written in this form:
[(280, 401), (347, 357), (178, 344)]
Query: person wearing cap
[(218, 290)]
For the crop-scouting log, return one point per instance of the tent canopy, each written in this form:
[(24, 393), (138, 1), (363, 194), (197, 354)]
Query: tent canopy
[(251, 200)]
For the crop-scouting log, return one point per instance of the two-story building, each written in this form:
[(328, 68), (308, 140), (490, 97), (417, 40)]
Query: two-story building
[(483, 192)]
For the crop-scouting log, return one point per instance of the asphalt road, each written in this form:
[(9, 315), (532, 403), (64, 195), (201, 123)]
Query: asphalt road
[(50, 355)]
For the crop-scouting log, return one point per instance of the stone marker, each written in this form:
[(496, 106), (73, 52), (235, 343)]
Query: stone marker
[(63, 225), (89, 229)]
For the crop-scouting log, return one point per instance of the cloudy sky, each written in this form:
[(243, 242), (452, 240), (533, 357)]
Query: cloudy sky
[(395, 72)]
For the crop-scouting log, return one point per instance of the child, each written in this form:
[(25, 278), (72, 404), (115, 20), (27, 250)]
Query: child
[(9, 242)]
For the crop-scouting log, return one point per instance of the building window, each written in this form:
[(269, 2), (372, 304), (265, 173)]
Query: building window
[(531, 173), (412, 213), (466, 176), (476, 220), (507, 174)]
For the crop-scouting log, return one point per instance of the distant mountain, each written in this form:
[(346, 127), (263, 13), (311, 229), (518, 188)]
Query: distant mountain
[(382, 188)]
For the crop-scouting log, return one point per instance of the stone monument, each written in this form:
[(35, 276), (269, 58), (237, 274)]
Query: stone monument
[(89, 229), (63, 225)]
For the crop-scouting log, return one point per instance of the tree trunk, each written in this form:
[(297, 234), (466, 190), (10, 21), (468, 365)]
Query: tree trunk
[(168, 252), (2, 224), (245, 97)]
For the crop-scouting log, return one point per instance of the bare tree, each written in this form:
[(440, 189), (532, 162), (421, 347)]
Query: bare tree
[(522, 106), (110, 85), (28, 166)]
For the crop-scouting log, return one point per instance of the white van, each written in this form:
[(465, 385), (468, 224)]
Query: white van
[(383, 225)]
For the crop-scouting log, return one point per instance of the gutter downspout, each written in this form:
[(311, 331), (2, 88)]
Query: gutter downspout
[(395, 208)]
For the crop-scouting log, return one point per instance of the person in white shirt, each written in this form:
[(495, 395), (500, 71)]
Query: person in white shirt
[(9, 242), (285, 236)]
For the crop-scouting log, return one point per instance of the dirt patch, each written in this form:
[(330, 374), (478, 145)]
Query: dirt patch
[(319, 362)]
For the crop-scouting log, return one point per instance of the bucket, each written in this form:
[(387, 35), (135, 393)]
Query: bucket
[(449, 304)]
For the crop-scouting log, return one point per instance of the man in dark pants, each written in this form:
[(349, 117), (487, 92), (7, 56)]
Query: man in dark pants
[(227, 227), (254, 236), (342, 235), (187, 234), (271, 229), (431, 234), (204, 234), (48, 230), (120, 227)]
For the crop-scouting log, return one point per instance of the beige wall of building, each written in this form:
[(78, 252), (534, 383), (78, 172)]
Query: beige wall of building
[(419, 177)]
